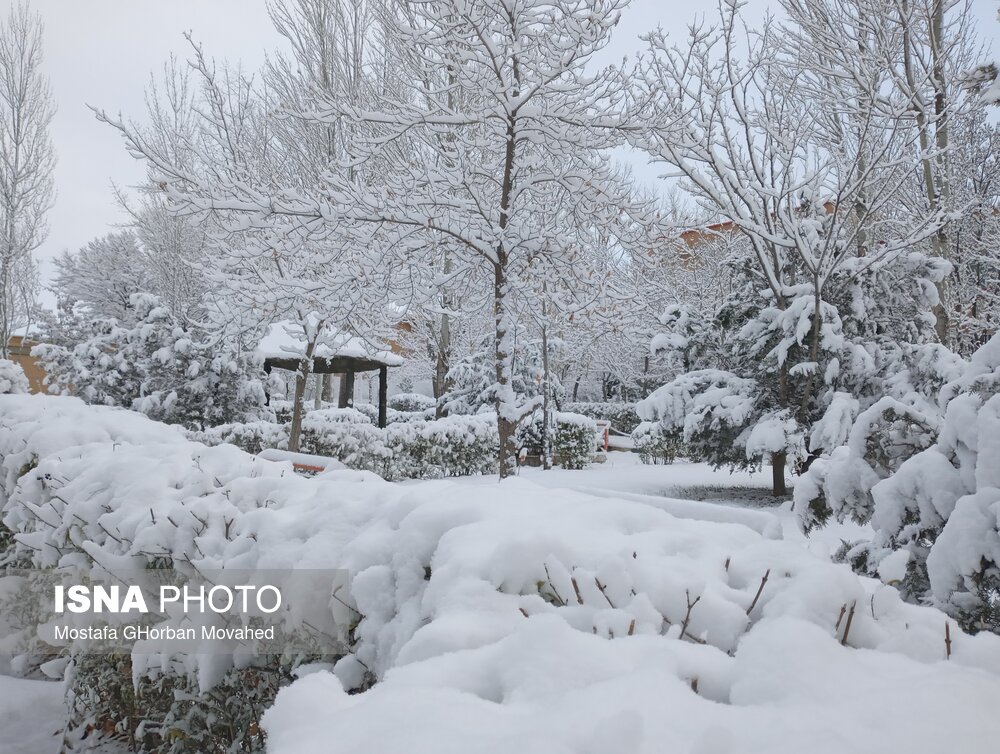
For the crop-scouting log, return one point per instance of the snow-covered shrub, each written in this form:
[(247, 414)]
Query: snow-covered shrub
[(370, 410), (155, 364), (416, 449), (358, 445), (412, 402), (621, 416), (253, 437), (12, 379), (573, 442), (324, 416), (655, 444), (452, 446), (90, 486), (167, 713)]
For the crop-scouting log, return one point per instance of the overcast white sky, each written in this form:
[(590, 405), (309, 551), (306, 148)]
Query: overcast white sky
[(102, 52)]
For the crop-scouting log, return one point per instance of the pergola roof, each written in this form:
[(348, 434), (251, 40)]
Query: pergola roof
[(283, 346)]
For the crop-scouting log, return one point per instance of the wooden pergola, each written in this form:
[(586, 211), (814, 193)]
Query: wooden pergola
[(339, 353)]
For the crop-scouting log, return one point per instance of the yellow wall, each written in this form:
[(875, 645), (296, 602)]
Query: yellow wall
[(20, 352)]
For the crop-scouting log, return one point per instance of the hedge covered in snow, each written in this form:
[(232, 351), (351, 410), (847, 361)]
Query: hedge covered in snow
[(655, 444), (574, 440), (621, 415), (418, 449), (516, 614)]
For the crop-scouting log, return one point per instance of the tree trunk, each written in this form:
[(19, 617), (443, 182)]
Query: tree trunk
[(506, 421), (383, 396), (298, 407), (546, 400), (778, 475), (442, 365)]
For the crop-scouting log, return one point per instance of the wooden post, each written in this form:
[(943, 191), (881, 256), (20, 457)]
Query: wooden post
[(383, 396), (349, 389), (346, 390)]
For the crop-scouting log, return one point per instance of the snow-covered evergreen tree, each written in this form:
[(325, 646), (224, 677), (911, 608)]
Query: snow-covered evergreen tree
[(154, 364)]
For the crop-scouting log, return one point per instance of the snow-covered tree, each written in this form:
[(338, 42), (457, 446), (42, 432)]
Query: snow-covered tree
[(151, 362), (921, 468), (102, 277), (810, 182), (27, 161), (506, 120), (510, 122)]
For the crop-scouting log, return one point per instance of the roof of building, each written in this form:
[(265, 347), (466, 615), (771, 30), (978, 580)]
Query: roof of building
[(284, 344)]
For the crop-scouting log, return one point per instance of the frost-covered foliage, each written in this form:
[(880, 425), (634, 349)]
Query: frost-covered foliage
[(574, 440), (924, 473), (622, 416), (154, 364), (415, 449), (655, 444), (12, 379)]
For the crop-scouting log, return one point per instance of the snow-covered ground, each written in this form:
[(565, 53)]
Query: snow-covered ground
[(595, 611), (31, 714)]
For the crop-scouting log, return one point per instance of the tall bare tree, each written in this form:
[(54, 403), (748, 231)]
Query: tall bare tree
[(27, 161)]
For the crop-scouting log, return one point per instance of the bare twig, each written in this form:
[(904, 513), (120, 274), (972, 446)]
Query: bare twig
[(631, 628), (576, 588), (555, 592), (947, 640), (687, 616), (843, 609), (850, 620), (602, 587), (760, 590)]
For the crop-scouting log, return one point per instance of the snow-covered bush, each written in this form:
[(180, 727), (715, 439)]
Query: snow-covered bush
[(88, 487), (12, 379), (928, 480), (655, 444), (411, 402), (573, 442), (253, 437), (452, 446), (417, 449), (154, 364), (621, 416)]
